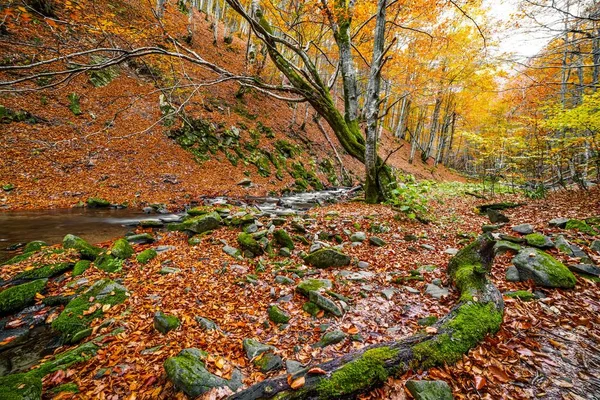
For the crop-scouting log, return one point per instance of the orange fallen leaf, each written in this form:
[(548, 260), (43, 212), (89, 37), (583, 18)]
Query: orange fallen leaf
[(479, 382), (317, 371), (298, 383)]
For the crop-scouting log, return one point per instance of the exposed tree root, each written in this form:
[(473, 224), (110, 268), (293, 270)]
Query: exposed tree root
[(478, 313)]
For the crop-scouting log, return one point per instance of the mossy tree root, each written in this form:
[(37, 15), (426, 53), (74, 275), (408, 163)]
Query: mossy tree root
[(478, 314)]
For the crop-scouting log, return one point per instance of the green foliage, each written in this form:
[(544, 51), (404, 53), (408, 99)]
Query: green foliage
[(539, 192), (74, 105), (410, 196)]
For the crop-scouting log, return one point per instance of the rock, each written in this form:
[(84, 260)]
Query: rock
[(151, 223), (595, 246), (523, 229), (248, 243), (141, 238), (435, 291), (563, 245), (325, 303), (429, 390), (165, 323), (330, 338), (510, 238), (35, 245), (512, 274), (85, 250), (80, 267), (285, 252), (358, 237), (313, 285), (588, 269), (363, 265), (376, 241), (311, 308), (46, 271), (202, 223), (491, 228), (437, 282), (206, 324), (278, 316), (145, 256), (520, 294), (326, 258), (244, 182), (538, 240), (96, 202), (232, 251), (269, 361), (558, 222), (544, 269), (581, 226), (388, 293), (254, 348), (188, 373), (107, 262), (283, 239), (360, 276), (169, 270), (496, 216), (18, 297), (503, 246), (121, 249), (252, 228), (410, 238), (284, 280), (427, 247), (411, 290), (292, 366), (452, 251)]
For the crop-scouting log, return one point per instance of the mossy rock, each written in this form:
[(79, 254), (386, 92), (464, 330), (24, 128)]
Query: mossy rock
[(325, 304), (504, 246), (188, 373), (200, 210), (97, 202), (429, 390), (311, 308), (521, 294), (121, 249), (140, 238), (543, 269), (283, 239), (268, 361), (81, 266), (539, 240), (202, 223), (145, 256), (313, 285), (18, 258), (278, 316), (20, 387), (108, 263), (35, 245), (326, 258), (18, 297), (427, 321), (254, 348), (581, 226), (85, 250), (165, 323), (333, 337), (247, 242), (47, 271), (80, 311)]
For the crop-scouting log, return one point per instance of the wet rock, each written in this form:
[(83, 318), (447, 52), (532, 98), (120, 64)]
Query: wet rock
[(376, 241), (324, 303), (538, 240), (201, 224), (165, 323), (435, 291), (358, 237), (560, 222), (523, 229), (512, 274), (278, 316), (188, 373), (140, 238), (544, 269), (96, 202), (326, 258), (85, 250), (330, 338), (429, 390), (18, 297), (206, 324)]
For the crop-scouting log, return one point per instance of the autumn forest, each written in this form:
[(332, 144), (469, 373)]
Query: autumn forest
[(299, 199)]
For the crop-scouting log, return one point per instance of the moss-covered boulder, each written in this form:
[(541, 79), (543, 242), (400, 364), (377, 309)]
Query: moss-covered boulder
[(145, 256), (504, 246), (188, 373), (97, 202), (283, 239), (121, 249), (268, 361), (92, 303), (330, 338), (202, 223), (140, 238), (277, 315), (248, 243), (85, 250), (543, 269), (165, 323), (313, 285), (200, 210), (46, 271), (108, 263), (538, 240), (429, 390), (326, 258), (20, 387), (18, 297), (81, 266), (581, 226), (35, 245)]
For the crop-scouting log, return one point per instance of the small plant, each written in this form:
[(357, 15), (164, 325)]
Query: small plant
[(74, 105), (536, 193), (410, 197)]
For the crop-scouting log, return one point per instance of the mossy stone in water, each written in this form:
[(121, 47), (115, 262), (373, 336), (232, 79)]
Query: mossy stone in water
[(18, 297), (121, 249), (140, 238), (429, 390), (543, 269), (326, 258), (85, 250), (36, 245), (283, 239), (165, 323), (97, 202), (145, 256)]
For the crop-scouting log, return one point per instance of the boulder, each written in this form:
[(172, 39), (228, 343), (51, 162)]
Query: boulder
[(512, 274), (85, 250), (121, 249), (523, 229), (326, 258), (165, 323), (330, 338), (543, 269), (255, 348), (202, 223), (563, 245), (503, 246), (18, 297), (538, 240), (435, 291), (313, 285), (558, 222), (283, 239), (188, 373), (277, 315), (97, 202), (324, 303), (35, 245), (496, 216), (145, 256), (587, 269), (376, 241), (429, 390), (141, 238), (80, 267)]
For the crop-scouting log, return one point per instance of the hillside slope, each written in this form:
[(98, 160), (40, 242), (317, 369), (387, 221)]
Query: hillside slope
[(61, 146)]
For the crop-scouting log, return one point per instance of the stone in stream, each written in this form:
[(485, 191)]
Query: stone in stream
[(429, 390), (18, 297), (277, 315), (96, 202), (326, 258), (496, 216), (560, 222), (165, 323), (376, 241), (188, 373), (85, 250), (543, 269), (202, 223), (512, 274), (358, 237), (435, 291), (330, 338), (140, 238), (538, 240), (151, 223), (523, 229), (206, 324)]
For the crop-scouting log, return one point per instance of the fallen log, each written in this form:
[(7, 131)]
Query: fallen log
[(478, 313)]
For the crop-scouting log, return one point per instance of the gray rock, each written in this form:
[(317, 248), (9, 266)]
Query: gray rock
[(363, 264), (563, 245), (388, 293), (326, 258), (252, 228), (285, 252), (435, 291), (164, 249), (504, 246), (324, 303), (206, 324), (588, 269), (512, 274), (411, 290), (437, 282), (560, 222), (284, 280), (538, 240), (358, 237), (452, 251), (169, 270), (429, 390), (313, 285), (360, 276), (496, 216), (164, 322), (244, 182), (523, 229), (292, 366), (232, 251), (376, 241), (428, 247), (491, 228), (254, 348), (330, 338), (543, 269), (314, 247), (595, 246), (201, 224)]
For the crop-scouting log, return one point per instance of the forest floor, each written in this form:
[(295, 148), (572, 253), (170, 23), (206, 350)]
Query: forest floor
[(546, 348)]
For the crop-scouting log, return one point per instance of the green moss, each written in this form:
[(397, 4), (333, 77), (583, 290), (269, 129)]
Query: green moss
[(470, 324), (106, 262), (17, 297), (20, 387), (544, 269), (96, 202), (538, 240), (283, 239), (80, 267), (247, 242), (200, 210), (121, 249), (85, 250), (310, 285), (19, 258), (72, 320), (467, 268), (427, 321), (277, 315), (311, 308), (145, 256), (520, 294), (47, 271), (65, 388), (165, 322), (581, 226), (36, 245), (366, 371)]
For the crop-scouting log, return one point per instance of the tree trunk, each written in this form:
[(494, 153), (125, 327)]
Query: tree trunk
[(432, 129), (478, 314)]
